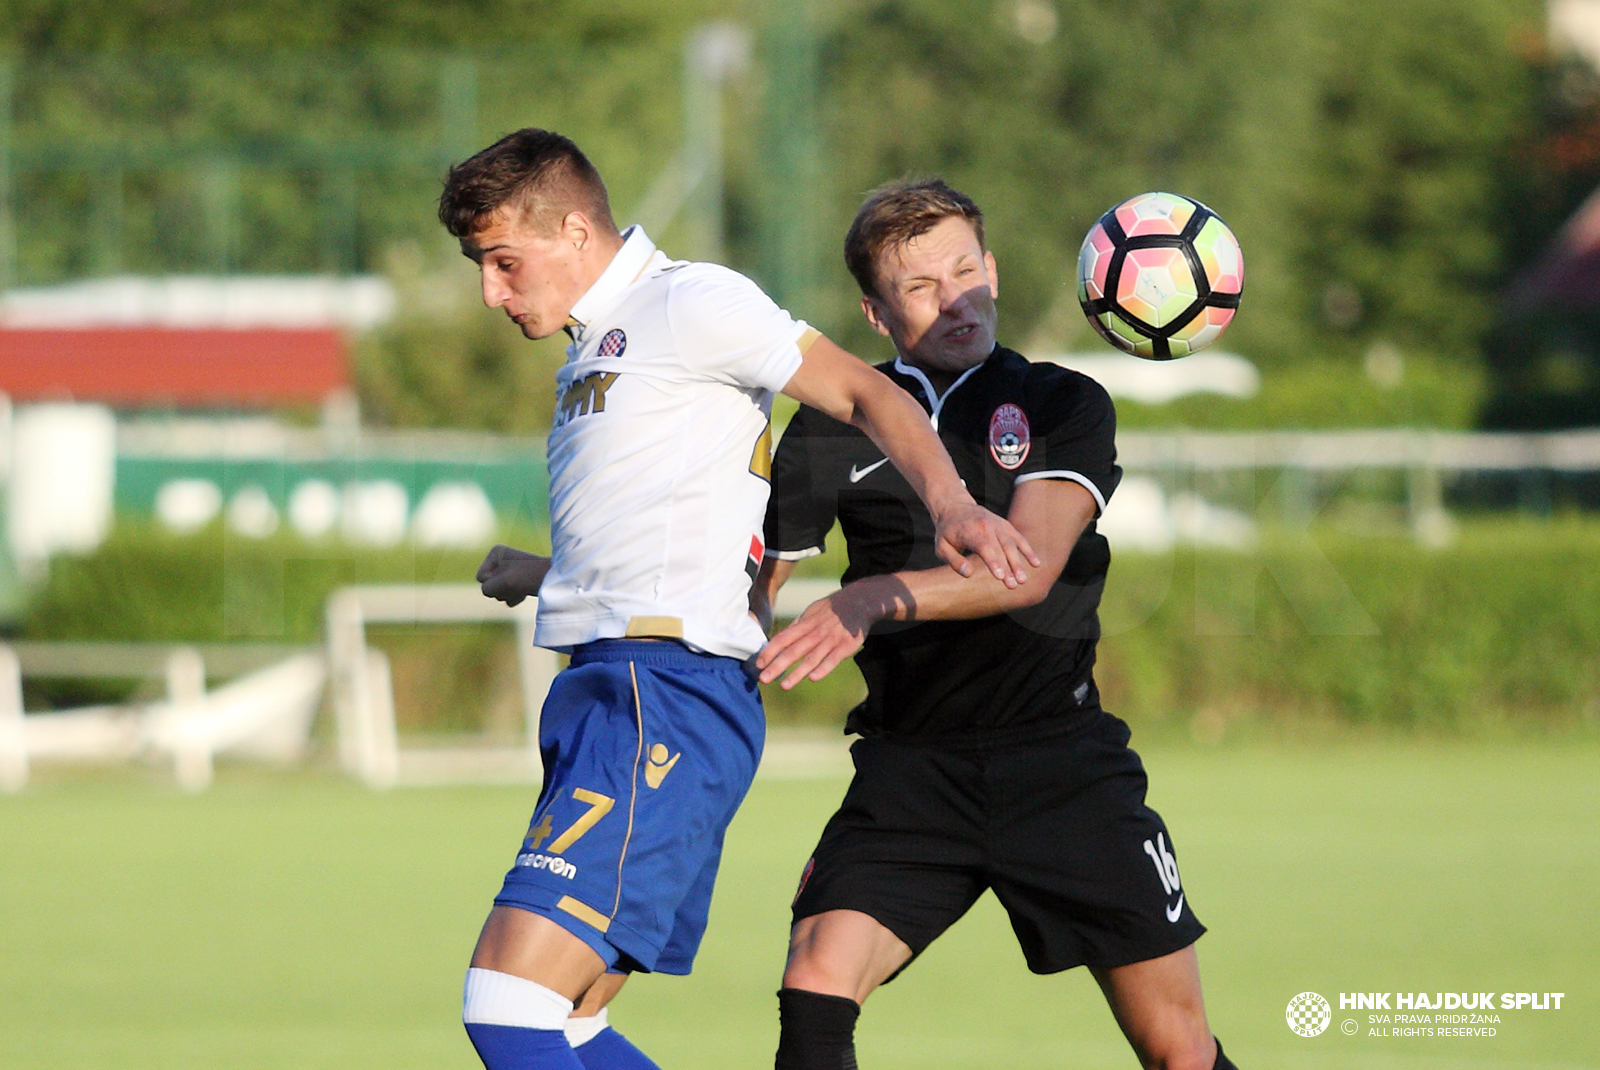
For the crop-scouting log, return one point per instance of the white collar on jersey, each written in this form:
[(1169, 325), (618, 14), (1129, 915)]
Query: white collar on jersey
[(935, 400), (626, 267)]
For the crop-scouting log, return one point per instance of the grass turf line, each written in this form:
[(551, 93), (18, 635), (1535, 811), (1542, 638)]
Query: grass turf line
[(301, 921)]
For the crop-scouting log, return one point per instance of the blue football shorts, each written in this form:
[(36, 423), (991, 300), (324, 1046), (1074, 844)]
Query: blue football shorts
[(648, 751)]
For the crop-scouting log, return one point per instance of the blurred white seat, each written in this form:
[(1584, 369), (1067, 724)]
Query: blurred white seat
[(265, 714)]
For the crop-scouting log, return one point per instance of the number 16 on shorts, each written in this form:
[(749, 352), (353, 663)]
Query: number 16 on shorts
[(1167, 870)]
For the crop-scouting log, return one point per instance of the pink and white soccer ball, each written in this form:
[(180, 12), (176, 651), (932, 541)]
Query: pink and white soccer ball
[(1160, 275)]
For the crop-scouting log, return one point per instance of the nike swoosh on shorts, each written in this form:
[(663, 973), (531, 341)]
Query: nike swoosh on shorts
[(1176, 909), (858, 474)]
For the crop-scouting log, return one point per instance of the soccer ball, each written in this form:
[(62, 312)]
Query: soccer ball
[(1160, 275)]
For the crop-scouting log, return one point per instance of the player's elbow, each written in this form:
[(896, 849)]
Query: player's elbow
[(1025, 595), (1037, 588), (1032, 593)]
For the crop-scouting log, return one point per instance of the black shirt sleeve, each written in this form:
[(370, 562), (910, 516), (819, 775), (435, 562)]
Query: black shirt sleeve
[(801, 510), (1074, 429)]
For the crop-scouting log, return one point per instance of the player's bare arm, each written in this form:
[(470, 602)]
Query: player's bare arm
[(1052, 514), (510, 575), (775, 572), (845, 388)]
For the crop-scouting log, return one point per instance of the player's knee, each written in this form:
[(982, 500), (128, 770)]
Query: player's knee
[(502, 999), (816, 1031), (1188, 1053), (815, 974)]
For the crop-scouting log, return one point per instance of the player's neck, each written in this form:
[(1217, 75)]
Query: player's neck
[(598, 258)]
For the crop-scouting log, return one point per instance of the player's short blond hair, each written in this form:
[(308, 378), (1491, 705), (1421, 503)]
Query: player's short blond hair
[(895, 213), (539, 172)]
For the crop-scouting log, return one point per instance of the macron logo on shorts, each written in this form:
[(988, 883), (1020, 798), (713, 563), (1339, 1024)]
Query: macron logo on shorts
[(559, 866), (657, 766)]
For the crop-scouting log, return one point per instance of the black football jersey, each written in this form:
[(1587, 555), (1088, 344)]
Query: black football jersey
[(1004, 422)]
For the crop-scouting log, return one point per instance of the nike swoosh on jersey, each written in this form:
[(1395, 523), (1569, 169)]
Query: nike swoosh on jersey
[(858, 474), (1175, 910)]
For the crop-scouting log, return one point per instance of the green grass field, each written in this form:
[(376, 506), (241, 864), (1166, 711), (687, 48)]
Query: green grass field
[(296, 920)]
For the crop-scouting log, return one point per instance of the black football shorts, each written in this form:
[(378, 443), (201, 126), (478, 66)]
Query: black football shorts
[(1057, 827)]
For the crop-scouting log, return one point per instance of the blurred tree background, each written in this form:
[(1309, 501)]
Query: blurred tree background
[(1387, 167)]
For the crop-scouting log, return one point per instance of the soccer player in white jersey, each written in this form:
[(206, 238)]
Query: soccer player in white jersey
[(659, 471)]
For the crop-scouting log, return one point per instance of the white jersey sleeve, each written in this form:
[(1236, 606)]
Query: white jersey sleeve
[(731, 332)]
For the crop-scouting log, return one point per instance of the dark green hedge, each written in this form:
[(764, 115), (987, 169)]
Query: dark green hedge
[(147, 584), (1503, 625)]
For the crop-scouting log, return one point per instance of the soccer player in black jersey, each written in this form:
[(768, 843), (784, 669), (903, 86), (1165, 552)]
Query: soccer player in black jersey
[(985, 759)]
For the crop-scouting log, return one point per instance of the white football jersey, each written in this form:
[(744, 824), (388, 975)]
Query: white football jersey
[(660, 454)]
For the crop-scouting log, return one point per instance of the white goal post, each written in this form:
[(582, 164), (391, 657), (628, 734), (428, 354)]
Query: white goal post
[(363, 694)]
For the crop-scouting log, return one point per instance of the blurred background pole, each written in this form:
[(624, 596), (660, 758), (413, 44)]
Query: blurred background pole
[(791, 208), (8, 246), (11, 593), (219, 198), (714, 54), (105, 220), (458, 130), (458, 109), (339, 208)]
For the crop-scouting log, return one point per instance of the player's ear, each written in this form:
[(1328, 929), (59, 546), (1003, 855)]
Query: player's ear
[(994, 273), (576, 228), (870, 309)]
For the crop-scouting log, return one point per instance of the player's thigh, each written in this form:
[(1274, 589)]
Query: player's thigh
[(906, 847), (527, 945), (1086, 870)]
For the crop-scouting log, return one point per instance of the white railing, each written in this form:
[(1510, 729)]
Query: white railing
[(265, 712), (1445, 451), (363, 695)]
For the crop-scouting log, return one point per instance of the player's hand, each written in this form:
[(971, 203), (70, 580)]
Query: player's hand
[(830, 630), (511, 575), (969, 528)]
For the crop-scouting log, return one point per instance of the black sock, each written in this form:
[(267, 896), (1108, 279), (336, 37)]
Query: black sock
[(1223, 1062), (817, 1032)]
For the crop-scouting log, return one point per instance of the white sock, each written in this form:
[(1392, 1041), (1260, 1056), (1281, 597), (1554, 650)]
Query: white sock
[(494, 998), (582, 1030)]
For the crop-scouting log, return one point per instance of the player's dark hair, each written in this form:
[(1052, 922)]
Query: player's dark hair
[(538, 171), (895, 213)]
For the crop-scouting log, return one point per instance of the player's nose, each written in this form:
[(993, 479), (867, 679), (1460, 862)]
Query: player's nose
[(494, 294)]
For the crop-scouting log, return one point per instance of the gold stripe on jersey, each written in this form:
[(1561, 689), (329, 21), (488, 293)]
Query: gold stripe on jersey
[(807, 339), (761, 456)]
